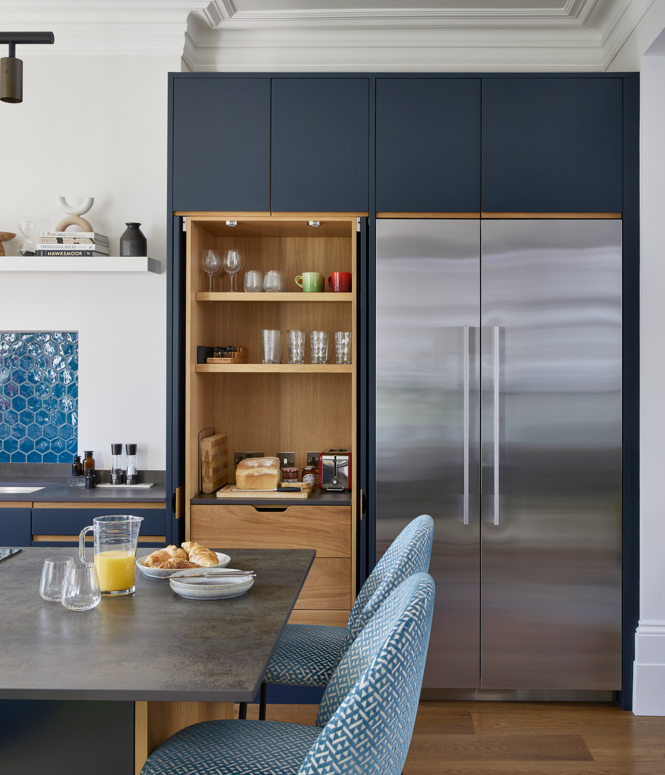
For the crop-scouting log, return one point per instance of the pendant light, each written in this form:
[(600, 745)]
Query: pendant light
[(11, 68)]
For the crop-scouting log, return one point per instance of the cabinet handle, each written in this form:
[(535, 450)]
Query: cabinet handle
[(467, 414), (497, 371)]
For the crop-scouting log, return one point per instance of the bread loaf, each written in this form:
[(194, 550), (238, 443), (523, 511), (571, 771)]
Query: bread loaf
[(258, 473)]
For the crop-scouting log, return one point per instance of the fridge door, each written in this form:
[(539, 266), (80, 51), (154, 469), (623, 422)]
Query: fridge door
[(551, 454), (427, 418)]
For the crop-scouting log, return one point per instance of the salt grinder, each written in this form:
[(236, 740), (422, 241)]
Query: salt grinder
[(132, 473), (116, 468)]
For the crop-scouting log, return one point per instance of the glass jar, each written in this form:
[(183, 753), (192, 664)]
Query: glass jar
[(309, 475), (88, 462), (290, 475), (77, 466)]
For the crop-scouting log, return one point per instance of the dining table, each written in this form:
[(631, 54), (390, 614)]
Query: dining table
[(141, 666)]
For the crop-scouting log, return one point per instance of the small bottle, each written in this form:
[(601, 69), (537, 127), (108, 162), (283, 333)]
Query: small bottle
[(77, 467), (88, 462), (309, 475), (90, 482)]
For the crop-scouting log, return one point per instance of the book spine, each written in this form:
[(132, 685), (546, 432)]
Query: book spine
[(71, 253), (78, 246), (75, 234)]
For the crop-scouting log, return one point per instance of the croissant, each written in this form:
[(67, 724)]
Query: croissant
[(176, 563), (204, 557), (189, 545), (161, 555), (174, 551)]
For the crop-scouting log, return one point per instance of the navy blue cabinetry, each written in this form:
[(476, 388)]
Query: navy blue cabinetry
[(62, 523), (320, 144), (14, 526), (428, 145), (552, 145), (221, 144)]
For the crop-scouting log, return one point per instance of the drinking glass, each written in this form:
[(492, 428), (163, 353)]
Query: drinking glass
[(271, 345), (53, 576), (273, 282), (253, 281), (80, 590), (318, 343), (296, 345), (342, 347), (212, 265), (233, 262)]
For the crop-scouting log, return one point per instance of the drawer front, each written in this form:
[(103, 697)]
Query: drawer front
[(66, 521), (325, 618), (324, 528), (328, 585)]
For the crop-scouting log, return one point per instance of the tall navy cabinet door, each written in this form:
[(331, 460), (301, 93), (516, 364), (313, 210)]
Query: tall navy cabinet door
[(221, 144), (320, 144), (552, 145), (428, 145)]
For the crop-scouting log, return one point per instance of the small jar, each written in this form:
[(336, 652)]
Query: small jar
[(90, 482), (309, 475), (77, 466), (290, 475), (88, 462)]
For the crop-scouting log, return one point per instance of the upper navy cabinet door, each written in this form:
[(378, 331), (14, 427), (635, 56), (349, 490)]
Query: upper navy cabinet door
[(552, 145), (428, 145), (221, 144), (320, 144)]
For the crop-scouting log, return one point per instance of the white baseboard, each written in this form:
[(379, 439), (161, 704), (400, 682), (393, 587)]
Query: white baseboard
[(649, 669)]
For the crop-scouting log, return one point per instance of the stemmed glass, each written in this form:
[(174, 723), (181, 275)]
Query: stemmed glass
[(233, 262), (212, 265)]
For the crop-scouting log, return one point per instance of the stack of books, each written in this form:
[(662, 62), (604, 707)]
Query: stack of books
[(72, 243)]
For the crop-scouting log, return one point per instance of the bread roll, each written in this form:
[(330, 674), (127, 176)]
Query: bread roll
[(176, 563), (161, 555), (258, 473)]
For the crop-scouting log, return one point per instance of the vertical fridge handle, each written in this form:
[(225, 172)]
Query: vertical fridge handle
[(497, 371), (467, 420)]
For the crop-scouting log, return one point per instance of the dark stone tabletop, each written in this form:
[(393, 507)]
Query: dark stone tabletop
[(153, 645)]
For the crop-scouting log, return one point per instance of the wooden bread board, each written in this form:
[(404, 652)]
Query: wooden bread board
[(239, 357), (214, 462), (230, 492)]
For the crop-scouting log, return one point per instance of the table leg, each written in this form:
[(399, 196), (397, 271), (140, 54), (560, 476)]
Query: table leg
[(154, 722)]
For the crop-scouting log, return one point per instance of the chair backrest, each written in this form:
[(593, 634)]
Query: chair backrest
[(409, 553), (369, 707)]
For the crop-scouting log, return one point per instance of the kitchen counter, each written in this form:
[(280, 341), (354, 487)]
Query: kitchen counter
[(57, 492)]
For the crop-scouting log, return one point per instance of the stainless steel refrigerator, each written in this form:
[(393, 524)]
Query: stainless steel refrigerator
[(498, 404)]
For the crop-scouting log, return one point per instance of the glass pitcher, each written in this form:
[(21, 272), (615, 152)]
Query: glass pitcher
[(116, 538)]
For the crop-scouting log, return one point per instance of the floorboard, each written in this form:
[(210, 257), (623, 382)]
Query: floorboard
[(519, 738)]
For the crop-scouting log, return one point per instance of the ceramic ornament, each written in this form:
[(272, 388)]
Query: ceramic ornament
[(5, 236), (74, 212)]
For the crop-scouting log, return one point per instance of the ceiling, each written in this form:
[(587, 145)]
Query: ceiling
[(340, 35)]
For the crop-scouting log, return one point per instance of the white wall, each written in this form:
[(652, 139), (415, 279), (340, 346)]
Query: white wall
[(114, 150), (650, 640)]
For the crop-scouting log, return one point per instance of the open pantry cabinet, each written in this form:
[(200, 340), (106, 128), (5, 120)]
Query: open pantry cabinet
[(276, 407)]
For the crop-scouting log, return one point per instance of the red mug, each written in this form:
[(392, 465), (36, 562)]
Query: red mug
[(340, 282)]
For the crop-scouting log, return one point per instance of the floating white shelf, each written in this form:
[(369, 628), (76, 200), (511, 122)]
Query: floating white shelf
[(79, 265)]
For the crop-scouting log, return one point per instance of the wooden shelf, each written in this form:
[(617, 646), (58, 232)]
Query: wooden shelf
[(275, 368), (80, 264), (271, 297)]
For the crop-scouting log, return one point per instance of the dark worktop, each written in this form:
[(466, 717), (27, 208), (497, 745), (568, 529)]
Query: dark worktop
[(317, 498), (152, 645), (61, 493)]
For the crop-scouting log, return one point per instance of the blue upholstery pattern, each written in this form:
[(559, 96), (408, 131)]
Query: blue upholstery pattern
[(367, 730), (233, 748), (307, 656)]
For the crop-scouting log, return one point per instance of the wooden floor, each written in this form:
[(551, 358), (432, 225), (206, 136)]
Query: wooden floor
[(495, 738)]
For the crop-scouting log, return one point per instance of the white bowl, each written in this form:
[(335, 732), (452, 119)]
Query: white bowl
[(163, 573), (217, 588)]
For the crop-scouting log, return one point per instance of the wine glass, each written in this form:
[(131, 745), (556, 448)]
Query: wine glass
[(212, 265), (233, 262)]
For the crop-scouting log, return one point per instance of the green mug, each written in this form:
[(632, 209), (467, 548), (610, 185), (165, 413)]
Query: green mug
[(310, 282)]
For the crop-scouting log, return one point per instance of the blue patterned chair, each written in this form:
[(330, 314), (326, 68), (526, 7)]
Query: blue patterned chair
[(308, 654), (365, 719)]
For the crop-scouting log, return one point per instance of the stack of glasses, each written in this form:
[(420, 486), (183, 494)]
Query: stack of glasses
[(271, 345)]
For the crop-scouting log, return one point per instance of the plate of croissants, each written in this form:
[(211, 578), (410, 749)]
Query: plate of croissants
[(165, 562)]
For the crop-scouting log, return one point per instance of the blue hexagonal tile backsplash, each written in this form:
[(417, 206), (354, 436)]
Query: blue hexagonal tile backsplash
[(38, 397)]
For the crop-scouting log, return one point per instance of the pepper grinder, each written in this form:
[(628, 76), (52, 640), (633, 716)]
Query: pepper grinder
[(132, 473), (116, 469)]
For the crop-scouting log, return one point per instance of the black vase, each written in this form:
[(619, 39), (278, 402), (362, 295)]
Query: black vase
[(133, 241)]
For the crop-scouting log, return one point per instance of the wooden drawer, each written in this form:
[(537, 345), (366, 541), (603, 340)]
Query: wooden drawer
[(327, 618), (328, 585), (324, 528)]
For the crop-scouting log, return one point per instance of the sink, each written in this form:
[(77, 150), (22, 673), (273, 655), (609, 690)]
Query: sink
[(18, 490)]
